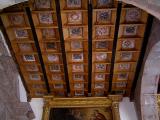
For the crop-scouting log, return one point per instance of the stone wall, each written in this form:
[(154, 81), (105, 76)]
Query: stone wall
[(10, 106)]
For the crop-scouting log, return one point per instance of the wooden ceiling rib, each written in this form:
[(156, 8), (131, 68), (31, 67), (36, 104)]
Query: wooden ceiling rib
[(76, 47)]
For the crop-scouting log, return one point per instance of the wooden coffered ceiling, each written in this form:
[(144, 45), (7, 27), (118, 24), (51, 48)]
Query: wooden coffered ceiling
[(76, 47)]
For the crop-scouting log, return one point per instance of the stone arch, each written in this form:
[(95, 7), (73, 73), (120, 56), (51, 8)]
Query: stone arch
[(149, 84)]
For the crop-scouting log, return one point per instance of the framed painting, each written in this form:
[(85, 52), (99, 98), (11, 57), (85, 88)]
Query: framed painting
[(99, 85), (74, 17), (126, 56), (48, 33), (17, 19), (102, 31), (128, 44), (21, 33), (76, 45), (55, 68), (53, 58), (121, 84), (122, 76), (25, 47), (79, 86), (79, 93), (57, 77), (130, 30), (74, 3), (77, 57), (100, 67), (77, 76), (103, 16), (89, 108), (100, 76), (42, 4), (103, 3), (78, 68), (45, 18), (75, 32), (51, 45), (58, 86), (101, 56), (101, 44), (32, 67), (124, 66), (29, 58), (35, 77), (133, 15)]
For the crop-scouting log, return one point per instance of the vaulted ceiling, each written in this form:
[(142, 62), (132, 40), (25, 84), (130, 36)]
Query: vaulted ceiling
[(76, 47)]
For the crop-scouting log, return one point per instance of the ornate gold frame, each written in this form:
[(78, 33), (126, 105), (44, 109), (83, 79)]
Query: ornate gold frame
[(110, 101)]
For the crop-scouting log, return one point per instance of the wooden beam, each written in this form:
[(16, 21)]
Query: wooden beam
[(37, 47), (59, 20), (114, 45), (90, 10), (142, 54)]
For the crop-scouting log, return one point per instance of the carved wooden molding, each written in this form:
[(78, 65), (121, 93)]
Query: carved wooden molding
[(110, 101)]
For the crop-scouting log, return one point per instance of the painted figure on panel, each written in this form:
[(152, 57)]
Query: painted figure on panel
[(133, 15), (43, 4), (73, 3), (81, 114), (102, 3)]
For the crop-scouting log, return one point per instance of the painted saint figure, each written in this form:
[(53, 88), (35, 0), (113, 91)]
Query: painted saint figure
[(97, 116)]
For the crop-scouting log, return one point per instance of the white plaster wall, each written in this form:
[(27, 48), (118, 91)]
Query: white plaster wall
[(37, 107), (36, 103), (127, 110)]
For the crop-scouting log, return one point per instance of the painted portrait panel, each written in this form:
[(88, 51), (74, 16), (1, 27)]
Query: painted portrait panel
[(103, 3), (128, 44), (79, 86), (31, 67), (100, 67), (56, 77), (75, 17), (77, 57), (21, 33), (122, 76), (124, 66), (133, 15), (78, 68), (35, 77), (45, 18), (75, 32), (130, 30), (42, 4), (102, 45), (55, 68), (77, 76), (25, 47), (126, 56), (29, 58), (99, 76), (76, 45), (53, 58), (74, 3), (101, 113), (102, 31), (48, 33), (103, 16), (101, 56), (51, 46), (17, 19)]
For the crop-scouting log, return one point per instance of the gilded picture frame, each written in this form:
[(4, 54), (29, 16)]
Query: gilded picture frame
[(111, 101)]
